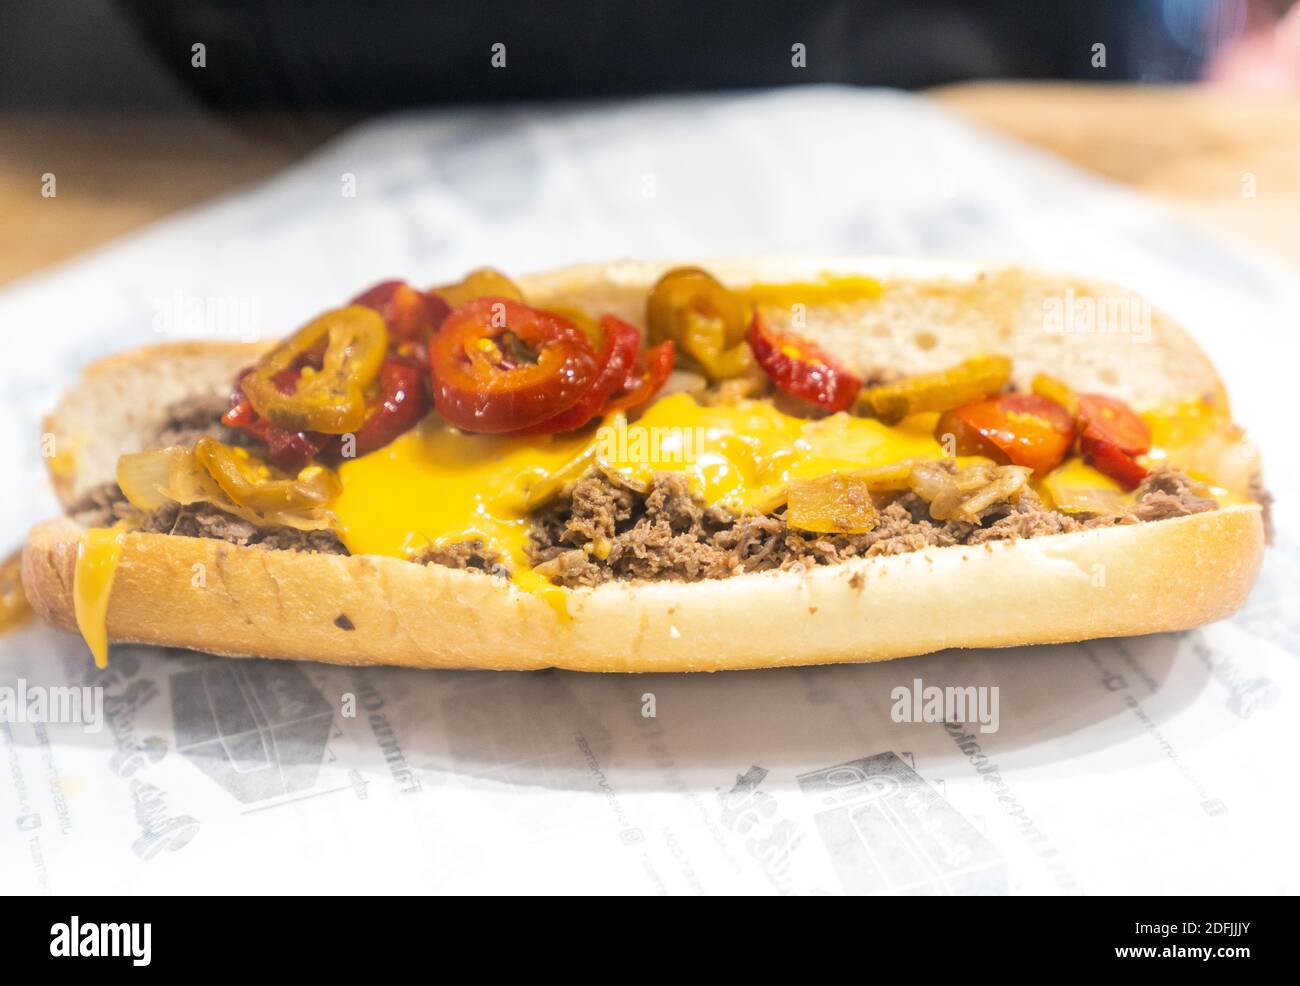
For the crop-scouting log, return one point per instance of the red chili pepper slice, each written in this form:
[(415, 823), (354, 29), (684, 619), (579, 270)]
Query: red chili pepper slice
[(648, 375), (402, 402), (290, 450), (1115, 422), (498, 365), (1021, 429), (618, 353), (345, 347), (409, 313), (800, 368), (1107, 457)]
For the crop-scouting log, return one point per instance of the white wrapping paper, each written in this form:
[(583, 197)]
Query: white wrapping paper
[(1160, 764)]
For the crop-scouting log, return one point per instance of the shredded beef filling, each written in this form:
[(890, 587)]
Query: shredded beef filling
[(105, 504), (187, 421), (198, 417), (101, 507), (1166, 494), (601, 531), (470, 555), (200, 520)]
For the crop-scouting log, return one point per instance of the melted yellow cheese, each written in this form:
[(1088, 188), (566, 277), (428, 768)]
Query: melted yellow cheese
[(743, 456), (1198, 437), (1071, 485), (1181, 423), (97, 557), (437, 486), (63, 461), (1074, 473), (826, 290)]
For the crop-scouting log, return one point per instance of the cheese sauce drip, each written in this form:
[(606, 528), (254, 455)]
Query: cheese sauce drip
[(98, 555)]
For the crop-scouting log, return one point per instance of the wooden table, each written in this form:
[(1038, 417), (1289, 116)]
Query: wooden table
[(115, 173), (1202, 151), (1194, 148)]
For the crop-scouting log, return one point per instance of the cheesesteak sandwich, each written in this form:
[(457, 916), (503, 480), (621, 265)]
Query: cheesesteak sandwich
[(645, 467)]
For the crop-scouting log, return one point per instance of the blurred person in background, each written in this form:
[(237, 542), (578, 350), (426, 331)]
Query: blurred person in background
[(323, 57), (1263, 52)]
